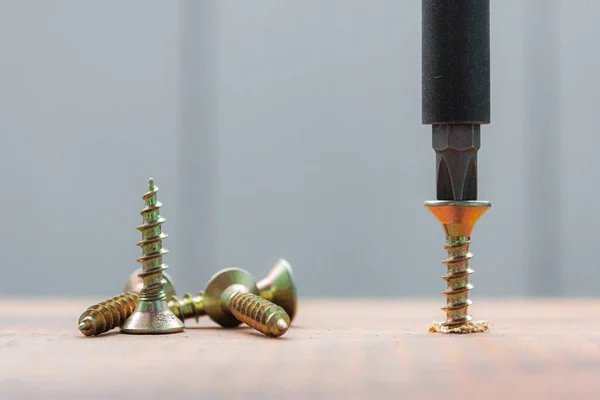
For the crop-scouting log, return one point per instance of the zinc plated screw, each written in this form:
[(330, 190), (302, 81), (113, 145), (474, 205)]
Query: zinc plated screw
[(458, 219), (152, 315), (109, 314), (231, 297)]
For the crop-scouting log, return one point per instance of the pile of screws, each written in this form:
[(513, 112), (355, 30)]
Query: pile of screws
[(148, 304)]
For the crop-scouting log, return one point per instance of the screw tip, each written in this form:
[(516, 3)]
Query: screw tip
[(151, 183), (282, 326), (85, 327)]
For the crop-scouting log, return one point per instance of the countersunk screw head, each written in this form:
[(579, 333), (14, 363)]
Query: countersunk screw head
[(279, 287), (215, 301), (458, 219)]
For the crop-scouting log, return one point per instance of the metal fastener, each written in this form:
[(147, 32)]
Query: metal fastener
[(231, 297), (109, 314), (152, 315), (458, 219)]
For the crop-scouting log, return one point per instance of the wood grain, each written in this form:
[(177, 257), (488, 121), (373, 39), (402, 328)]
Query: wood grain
[(364, 349)]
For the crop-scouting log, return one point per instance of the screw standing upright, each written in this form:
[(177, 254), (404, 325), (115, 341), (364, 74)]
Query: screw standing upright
[(152, 314), (456, 102)]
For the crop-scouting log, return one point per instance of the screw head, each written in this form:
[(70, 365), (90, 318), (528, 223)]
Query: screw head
[(278, 287), (217, 292), (135, 284), (458, 217), (152, 317)]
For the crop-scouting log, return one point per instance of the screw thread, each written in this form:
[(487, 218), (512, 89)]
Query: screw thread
[(152, 250), (188, 306), (457, 280), (109, 314), (262, 315)]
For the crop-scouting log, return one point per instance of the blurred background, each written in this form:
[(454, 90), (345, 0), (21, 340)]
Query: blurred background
[(287, 129)]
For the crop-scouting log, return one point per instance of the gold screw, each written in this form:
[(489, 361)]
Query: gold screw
[(258, 313), (231, 297), (152, 315), (458, 219), (107, 315)]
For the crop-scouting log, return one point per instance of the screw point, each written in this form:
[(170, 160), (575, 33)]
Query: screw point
[(282, 325)]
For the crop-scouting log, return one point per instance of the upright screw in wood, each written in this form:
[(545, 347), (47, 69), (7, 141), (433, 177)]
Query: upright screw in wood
[(458, 219)]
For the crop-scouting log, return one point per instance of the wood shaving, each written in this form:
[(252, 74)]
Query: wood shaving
[(469, 327)]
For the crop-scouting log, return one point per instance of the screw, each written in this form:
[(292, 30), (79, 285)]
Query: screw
[(107, 315), (231, 297), (152, 315), (260, 314), (458, 219)]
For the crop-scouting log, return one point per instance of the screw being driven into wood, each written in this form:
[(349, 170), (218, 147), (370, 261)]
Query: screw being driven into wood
[(458, 219), (455, 72)]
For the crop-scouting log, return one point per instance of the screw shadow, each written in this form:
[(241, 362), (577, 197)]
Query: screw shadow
[(100, 336), (217, 328)]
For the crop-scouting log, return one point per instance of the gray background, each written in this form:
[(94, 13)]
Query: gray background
[(287, 128)]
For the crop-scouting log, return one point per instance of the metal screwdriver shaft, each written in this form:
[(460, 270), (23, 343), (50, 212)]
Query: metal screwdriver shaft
[(456, 102)]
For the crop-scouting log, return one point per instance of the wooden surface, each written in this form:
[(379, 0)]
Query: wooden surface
[(367, 349)]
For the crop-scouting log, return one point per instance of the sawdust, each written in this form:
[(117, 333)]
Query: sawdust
[(469, 327)]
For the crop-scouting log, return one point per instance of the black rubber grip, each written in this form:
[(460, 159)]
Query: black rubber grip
[(456, 61)]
